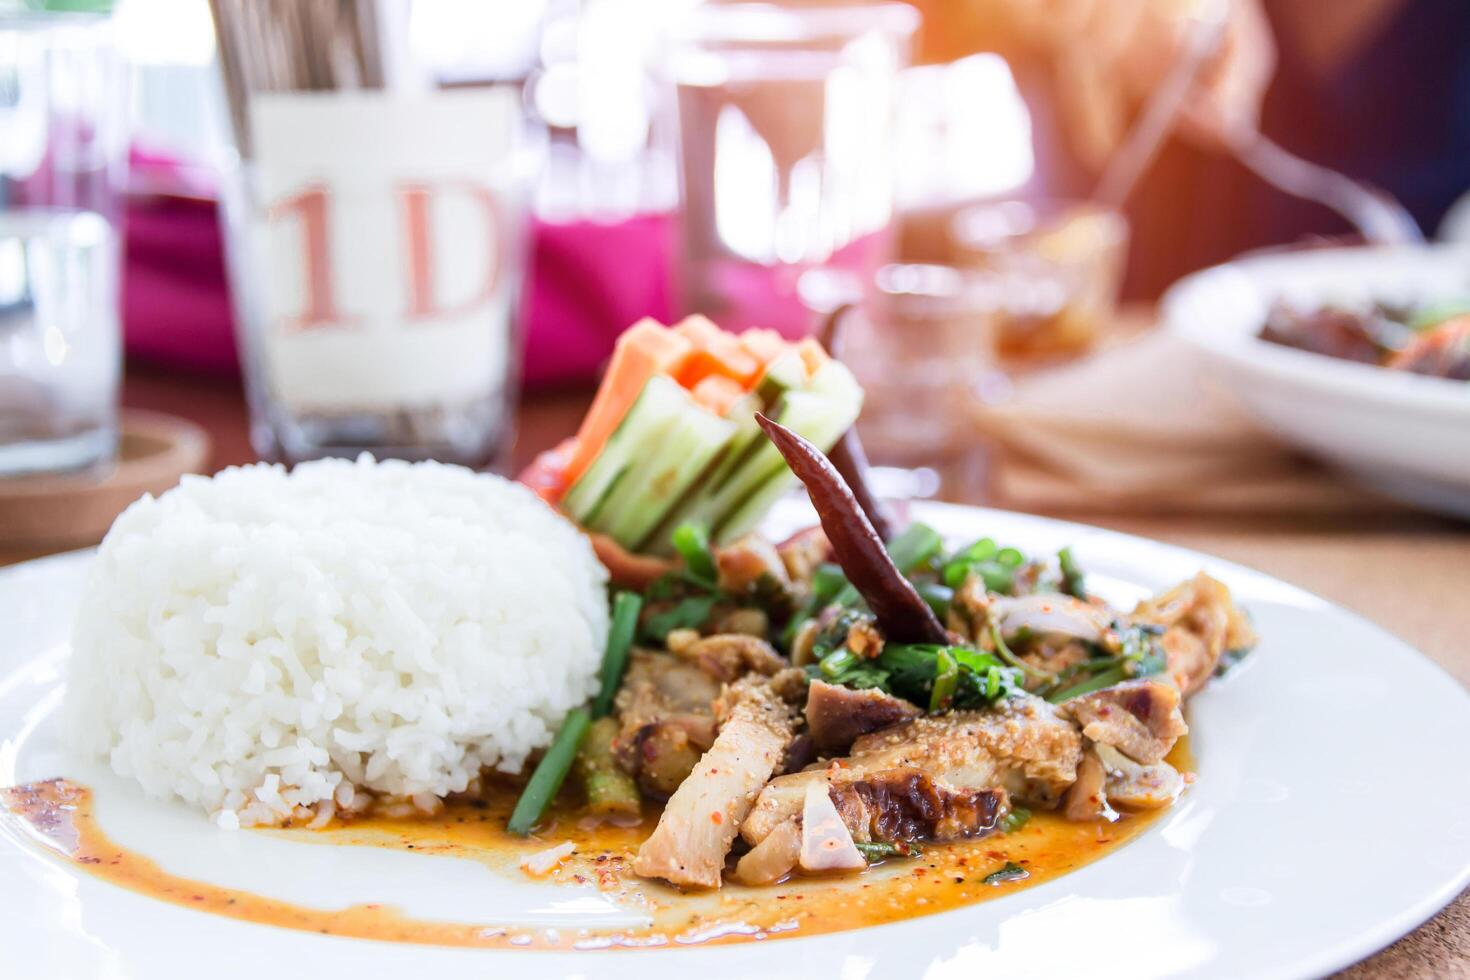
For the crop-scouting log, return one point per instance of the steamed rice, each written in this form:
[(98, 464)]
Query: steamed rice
[(274, 646)]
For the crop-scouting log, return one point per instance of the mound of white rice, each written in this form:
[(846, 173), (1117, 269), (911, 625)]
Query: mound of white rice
[(270, 645)]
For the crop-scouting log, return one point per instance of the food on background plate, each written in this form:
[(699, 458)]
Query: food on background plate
[(1432, 340)]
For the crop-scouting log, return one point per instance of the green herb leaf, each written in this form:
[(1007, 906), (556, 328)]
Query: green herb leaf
[(690, 613), (1010, 871), (915, 546), (691, 541), (878, 850)]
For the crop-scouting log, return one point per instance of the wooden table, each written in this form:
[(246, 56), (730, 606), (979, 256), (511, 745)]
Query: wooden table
[(1412, 575)]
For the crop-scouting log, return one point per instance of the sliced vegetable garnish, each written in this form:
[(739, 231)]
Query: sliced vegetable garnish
[(691, 541), (550, 773), (1010, 871), (626, 606), (902, 615)]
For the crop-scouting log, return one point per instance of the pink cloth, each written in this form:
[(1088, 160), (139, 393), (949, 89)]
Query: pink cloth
[(175, 298), (589, 283)]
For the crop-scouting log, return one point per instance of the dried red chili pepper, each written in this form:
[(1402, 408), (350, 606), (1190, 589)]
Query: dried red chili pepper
[(902, 615), (848, 456)]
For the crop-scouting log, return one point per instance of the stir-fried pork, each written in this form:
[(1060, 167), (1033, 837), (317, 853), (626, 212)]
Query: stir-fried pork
[(1087, 798), (1136, 785), (751, 566), (689, 845), (728, 656), (837, 716), (1201, 622), (1141, 719), (941, 776), (667, 721)]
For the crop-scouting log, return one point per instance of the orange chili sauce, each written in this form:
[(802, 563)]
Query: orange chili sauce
[(944, 877)]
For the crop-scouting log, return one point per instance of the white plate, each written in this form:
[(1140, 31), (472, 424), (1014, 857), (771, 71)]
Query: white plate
[(1331, 816), (1404, 434)]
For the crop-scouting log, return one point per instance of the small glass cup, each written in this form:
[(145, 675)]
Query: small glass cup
[(1062, 262), (785, 121), (63, 99)]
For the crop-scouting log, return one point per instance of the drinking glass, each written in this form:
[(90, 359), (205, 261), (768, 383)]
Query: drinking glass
[(62, 150), (785, 122)]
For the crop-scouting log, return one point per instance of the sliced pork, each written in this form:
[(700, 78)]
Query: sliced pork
[(837, 716), (699, 824)]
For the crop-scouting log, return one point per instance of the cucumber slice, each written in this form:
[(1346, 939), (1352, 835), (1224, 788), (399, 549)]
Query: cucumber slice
[(665, 465), (657, 406), (785, 373), (819, 417)]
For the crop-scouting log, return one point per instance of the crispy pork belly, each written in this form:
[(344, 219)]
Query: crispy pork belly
[(1200, 622), (699, 824), (937, 777), (668, 721), (1140, 718), (837, 716)]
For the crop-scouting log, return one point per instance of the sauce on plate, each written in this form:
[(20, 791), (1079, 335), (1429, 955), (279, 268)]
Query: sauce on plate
[(945, 876)]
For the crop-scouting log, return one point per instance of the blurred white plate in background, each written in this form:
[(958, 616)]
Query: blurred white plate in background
[(1403, 434)]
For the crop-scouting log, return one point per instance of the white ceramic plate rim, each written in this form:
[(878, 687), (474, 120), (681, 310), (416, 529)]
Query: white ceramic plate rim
[(1162, 872), (1237, 340)]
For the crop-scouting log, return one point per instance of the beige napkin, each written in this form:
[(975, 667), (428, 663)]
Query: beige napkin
[(1136, 429)]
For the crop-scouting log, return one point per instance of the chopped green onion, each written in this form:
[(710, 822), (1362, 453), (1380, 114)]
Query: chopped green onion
[(626, 606), (1010, 871), (938, 596), (833, 664), (1073, 583), (550, 772), (946, 679), (1015, 819), (1010, 558), (691, 541)]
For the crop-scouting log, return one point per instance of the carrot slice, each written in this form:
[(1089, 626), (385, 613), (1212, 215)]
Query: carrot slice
[(813, 356), (715, 352), (644, 349), (763, 345), (717, 393)]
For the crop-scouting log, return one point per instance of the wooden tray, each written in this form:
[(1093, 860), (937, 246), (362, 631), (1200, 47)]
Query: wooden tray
[(53, 512)]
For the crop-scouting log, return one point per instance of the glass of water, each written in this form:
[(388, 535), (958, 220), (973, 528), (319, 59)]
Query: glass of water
[(62, 152), (785, 120)]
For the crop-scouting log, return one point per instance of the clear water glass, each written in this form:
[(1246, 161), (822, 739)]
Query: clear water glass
[(785, 122), (62, 149)]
